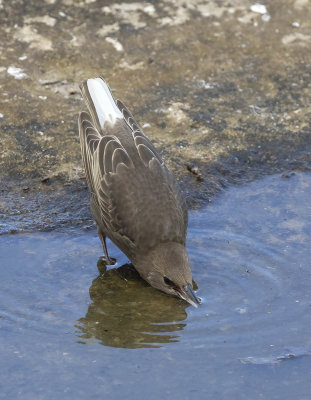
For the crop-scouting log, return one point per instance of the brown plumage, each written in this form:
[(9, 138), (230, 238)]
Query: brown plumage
[(135, 200)]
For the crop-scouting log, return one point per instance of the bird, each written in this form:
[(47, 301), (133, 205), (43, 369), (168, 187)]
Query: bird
[(135, 200)]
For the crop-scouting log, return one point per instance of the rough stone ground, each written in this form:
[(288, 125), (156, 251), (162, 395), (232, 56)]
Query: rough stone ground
[(224, 85)]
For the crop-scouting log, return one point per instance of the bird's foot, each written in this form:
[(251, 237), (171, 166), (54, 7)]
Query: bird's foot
[(109, 261)]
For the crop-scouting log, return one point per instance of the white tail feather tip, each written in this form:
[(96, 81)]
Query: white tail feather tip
[(104, 103)]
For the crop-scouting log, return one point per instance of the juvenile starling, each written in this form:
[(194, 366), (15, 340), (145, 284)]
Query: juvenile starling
[(135, 200)]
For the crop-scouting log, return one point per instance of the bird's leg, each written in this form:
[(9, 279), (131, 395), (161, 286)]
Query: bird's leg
[(102, 238)]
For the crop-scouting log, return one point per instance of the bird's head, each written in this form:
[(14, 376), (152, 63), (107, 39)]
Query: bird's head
[(166, 268)]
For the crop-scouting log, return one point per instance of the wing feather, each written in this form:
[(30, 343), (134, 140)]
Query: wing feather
[(120, 156), (134, 198), (145, 154)]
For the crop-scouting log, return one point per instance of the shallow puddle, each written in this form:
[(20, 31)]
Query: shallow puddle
[(72, 328)]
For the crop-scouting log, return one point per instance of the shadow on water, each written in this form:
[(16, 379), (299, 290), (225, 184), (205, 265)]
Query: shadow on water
[(127, 312)]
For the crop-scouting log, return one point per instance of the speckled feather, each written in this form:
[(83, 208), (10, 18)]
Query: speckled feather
[(135, 200)]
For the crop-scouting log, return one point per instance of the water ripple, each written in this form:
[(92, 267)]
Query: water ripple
[(252, 274)]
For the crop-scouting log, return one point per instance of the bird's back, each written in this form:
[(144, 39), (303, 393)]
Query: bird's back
[(135, 200)]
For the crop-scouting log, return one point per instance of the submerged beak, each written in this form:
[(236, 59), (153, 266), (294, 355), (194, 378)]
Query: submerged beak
[(187, 293)]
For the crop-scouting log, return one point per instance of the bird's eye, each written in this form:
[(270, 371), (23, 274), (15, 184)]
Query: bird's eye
[(168, 281)]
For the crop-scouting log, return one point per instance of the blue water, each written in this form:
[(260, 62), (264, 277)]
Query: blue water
[(71, 328)]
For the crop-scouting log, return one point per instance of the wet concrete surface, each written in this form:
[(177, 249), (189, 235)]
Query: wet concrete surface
[(222, 85)]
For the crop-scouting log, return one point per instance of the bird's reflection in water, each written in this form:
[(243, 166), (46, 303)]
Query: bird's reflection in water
[(127, 312)]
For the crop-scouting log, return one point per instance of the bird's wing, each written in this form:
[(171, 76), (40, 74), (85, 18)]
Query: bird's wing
[(148, 204), (137, 202), (160, 187), (101, 155)]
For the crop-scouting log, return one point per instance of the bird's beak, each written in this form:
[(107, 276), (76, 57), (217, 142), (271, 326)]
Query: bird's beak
[(187, 293)]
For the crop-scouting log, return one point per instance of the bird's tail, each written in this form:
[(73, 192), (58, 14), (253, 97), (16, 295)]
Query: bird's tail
[(100, 102)]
